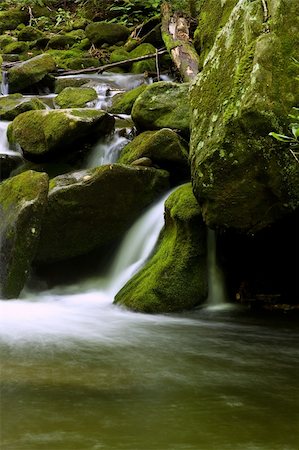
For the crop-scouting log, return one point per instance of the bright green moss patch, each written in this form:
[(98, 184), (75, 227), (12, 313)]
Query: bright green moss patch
[(72, 97), (14, 104), (175, 278), (123, 103)]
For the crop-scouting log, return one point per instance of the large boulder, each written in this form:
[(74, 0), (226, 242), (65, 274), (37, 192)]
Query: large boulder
[(72, 97), (92, 208), (29, 72), (175, 278), (14, 104), (164, 147), (106, 33), (58, 131), (241, 177), (22, 204), (163, 105)]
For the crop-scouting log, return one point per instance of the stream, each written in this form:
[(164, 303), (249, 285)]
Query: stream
[(79, 373)]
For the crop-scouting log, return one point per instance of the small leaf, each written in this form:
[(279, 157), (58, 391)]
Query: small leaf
[(281, 137), (295, 129)]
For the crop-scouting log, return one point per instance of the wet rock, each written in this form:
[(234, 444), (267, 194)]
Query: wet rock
[(72, 97), (164, 147), (163, 105), (58, 131), (106, 33), (175, 278), (241, 176), (123, 103), (93, 208), (8, 163), (22, 205), (145, 162), (29, 72), (14, 104)]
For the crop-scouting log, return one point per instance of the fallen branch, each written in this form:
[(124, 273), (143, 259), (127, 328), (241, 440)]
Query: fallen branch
[(102, 69), (175, 34)]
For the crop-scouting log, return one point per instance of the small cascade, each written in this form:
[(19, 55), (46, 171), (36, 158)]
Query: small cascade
[(107, 150), (217, 291), (4, 83), (4, 144), (136, 247)]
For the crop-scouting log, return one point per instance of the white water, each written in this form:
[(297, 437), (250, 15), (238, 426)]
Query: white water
[(69, 312), (106, 150), (217, 295), (4, 145), (4, 83)]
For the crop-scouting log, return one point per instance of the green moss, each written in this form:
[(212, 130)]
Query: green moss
[(143, 66), (123, 103), (5, 39), (175, 278), (29, 34), (16, 47), (106, 33), (14, 104), (72, 97), (10, 19)]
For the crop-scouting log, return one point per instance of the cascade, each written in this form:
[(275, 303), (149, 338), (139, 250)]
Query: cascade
[(107, 150), (85, 309), (216, 283), (4, 144), (4, 83)]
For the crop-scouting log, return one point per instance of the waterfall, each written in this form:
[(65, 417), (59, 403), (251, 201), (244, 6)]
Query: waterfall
[(107, 150), (4, 83), (216, 283), (4, 144), (84, 311)]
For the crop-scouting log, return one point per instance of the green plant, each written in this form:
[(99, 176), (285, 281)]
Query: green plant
[(293, 139), (130, 12)]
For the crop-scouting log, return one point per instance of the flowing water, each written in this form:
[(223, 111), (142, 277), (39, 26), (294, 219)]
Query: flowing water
[(79, 373)]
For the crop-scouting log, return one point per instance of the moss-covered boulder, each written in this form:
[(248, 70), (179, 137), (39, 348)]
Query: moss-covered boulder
[(175, 278), (106, 33), (29, 72), (72, 97), (123, 103), (163, 105), (58, 131), (164, 147), (6, 39), (16, 47), (30, 33), (14, 104), (93, 208), (63, 82), (149, 65), (10, 19), (62, 41), (119, 54), (241, 177), (22, 204)]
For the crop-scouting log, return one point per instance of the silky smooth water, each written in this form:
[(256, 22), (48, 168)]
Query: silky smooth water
[(78, 373)]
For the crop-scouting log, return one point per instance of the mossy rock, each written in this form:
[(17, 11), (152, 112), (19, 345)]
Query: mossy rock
[(148, 65), (93, 208), (58, 131), (14, 104), (30, 33), (29, 72), (16, 47), (72, 97), (120, 54), (123, 103), (164, 147), (163, 105), (64, 58), (82, 63), (175, 277), (6, 39), (62, 41), (22, 205), (241, 176), (63, 82), (10, 19), (106, 33)]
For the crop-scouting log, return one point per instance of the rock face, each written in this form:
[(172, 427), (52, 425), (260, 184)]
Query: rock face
[(57, 131), (241, 177), (163, 105), (22, 204), (164, 147), (72, 97), (30, 72), (93, 208), (175, 278), (106, 33), (14, 104)]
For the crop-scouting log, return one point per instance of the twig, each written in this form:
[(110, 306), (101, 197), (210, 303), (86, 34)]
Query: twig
[(157, 65)]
